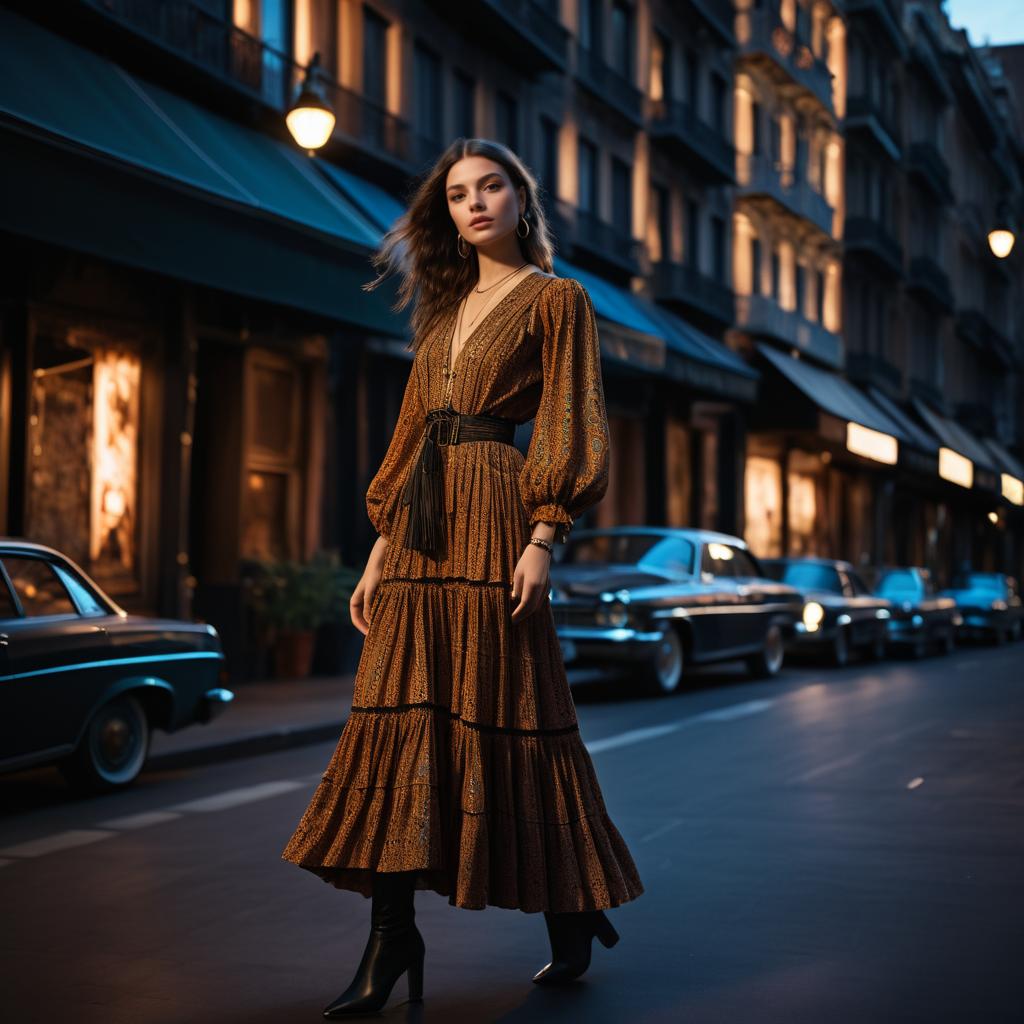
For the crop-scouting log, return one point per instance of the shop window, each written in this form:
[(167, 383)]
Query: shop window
[(83, 479), (273, 457), (678, 475), (763, 501)]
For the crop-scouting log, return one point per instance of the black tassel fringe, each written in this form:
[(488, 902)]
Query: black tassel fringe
[(424, 491)]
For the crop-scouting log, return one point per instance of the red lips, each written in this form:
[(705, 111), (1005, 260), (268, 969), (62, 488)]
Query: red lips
[(476, 221)]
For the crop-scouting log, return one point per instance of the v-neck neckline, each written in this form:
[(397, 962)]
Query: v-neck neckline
[(476, 330)]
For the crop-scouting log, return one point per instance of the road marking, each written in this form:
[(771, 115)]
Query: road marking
[(238, 797), (726, 714), (914, 783), (843, 762), (58, 841), (674, 823), (143, 820)]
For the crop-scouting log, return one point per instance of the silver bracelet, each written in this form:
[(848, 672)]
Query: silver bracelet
[(541, 542)]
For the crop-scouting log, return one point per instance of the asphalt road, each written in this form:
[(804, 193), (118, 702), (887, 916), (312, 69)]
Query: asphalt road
[(834, 845)]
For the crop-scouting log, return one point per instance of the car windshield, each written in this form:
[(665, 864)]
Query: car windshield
[(673, 554), (901, 584), (990, 582), (810, 576)]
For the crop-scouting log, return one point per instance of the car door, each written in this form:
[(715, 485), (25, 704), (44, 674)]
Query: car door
[(750, 624), (54, 664), (714, 614)]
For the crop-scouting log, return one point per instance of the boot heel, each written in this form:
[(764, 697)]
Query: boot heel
[(416, 981), (604, 931)]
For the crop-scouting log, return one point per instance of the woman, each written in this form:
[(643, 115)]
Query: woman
[(461, 768)]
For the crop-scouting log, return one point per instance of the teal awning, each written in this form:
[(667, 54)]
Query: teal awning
[(99, 160), (378, 205)]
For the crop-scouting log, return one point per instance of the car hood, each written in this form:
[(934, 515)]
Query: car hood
[(591, 580)]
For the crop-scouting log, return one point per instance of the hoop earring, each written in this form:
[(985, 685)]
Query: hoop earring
[(527, 223), (458, 245)]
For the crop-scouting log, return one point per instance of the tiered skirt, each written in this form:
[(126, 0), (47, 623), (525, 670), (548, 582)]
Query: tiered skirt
[(462, 758)]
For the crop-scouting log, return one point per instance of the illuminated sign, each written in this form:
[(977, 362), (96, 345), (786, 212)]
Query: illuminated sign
[(955, 468), (1013, 489), (872, 444)]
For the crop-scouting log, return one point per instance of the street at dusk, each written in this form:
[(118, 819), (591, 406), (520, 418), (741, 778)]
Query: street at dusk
[(840, 845)]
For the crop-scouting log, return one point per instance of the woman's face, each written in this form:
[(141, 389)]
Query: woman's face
[(482, 201)]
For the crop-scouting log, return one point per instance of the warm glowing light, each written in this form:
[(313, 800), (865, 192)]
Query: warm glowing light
[(813, 614), (311, 126), (720, 551), (872, 444), (1000, 241), (993, 517), (955, 468), (1013, 489)]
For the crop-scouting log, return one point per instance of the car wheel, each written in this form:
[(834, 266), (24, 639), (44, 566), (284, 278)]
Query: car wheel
[(665, 673), (113, 749), (768, 661), (841, 648)]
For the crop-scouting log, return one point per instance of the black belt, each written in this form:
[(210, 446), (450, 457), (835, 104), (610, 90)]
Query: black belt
[(424, 490)]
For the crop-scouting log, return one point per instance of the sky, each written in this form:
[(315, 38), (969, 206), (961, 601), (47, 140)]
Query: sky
[(1001, 20)]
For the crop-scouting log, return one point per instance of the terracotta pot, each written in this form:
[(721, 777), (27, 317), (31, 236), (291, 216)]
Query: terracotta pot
[(293, 653)]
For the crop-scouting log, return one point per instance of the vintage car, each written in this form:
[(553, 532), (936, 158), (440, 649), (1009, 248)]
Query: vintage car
[(663, 598), (921, 619), (840, 614), (82, 683), (990, 605)]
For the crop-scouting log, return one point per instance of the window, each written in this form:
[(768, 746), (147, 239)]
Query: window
[(673, 554), (662, 249), (719, 97), (755, 265), (37, 587), (8, 609), (622, 39), (801, 287), (812, 576), (693, 80), (660, 86), (755, 126), (549, 155), (588, 176), (717, 559), (819, 298), (692, 226), (776, 273), (84, 598), (375, 29), (506, 120), (743, 563), (465, 109), (718, 248), (776, 142), (429, 102), (590, 25), (622, 196)]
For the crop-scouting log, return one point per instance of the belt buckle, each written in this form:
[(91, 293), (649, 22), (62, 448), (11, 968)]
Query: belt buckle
[(449, 420)]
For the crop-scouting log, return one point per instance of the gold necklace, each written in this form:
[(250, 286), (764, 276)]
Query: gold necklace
[(450, 373), (480, 290)]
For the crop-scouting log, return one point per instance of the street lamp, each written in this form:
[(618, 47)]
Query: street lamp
[(310, 118), (1002, 237)]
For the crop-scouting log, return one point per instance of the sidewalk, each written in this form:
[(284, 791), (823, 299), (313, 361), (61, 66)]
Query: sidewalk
[(264, 716)]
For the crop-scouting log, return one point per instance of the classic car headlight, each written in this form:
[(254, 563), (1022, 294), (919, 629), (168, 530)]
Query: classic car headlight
[(616, 614), (813, 614), (999, 606), (917, 620)]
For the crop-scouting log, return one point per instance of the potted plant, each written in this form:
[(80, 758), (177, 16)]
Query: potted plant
[(291, 599)]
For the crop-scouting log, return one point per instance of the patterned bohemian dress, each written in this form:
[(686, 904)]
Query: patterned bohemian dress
[(462, 758)]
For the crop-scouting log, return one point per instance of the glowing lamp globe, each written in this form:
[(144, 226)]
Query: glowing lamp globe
[(1000, 241), (310, 120)]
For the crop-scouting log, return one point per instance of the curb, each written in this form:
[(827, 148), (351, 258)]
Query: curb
[(284, 738)]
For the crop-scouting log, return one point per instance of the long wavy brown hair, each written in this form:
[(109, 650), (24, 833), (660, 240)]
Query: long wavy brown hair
[(421, 245)]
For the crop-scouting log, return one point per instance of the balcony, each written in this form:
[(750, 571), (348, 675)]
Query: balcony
[(885, 17), (871, 238), (931, 282), (762, 315), (604, 82), (527, 30), (759, 176), (868, 368), (865, 114), (677, 127), (708, 299), (975, 328), (927, 164), (255, 71), (763, 39), (595, 242)]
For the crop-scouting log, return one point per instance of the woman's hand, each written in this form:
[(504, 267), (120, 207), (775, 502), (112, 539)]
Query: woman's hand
[(531, 582), (362, 596)]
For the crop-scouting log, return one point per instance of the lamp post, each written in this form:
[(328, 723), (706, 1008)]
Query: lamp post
[(310, 118), (1002, 236)]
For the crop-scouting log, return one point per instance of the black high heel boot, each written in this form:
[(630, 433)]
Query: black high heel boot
[(571, 935), (394, 947)]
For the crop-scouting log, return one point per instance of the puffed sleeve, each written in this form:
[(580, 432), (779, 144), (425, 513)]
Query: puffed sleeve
[(566, 467), (383, 494)]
